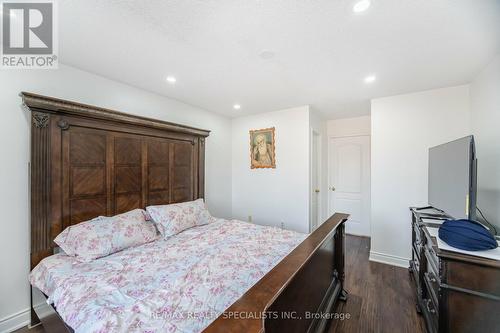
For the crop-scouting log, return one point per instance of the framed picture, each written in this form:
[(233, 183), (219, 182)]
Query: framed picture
[(262, 148)]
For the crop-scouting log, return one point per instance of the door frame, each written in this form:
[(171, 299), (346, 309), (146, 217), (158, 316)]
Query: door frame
[(329, 163), (318, 159)]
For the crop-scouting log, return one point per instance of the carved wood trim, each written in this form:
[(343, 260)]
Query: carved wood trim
[(201, 167), (40, 120), (40, 184), (84, 110), (63, 124)]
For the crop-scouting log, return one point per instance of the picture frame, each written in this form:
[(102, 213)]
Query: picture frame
[(263, 148)]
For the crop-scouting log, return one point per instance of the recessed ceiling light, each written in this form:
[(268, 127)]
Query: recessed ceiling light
[(370, 79), (236, 106), (266, 54), (361, 6), (171, 79)]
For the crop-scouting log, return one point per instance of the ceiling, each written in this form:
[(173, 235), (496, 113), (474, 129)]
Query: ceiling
[(267, 54)]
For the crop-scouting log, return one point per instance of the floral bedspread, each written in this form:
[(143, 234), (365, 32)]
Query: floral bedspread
[(180, 284)]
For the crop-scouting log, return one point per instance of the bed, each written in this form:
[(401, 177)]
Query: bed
[(179, 284), (88, 161)]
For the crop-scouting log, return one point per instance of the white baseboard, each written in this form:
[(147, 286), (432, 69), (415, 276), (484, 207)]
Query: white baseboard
[(389, 259), (15, 321), (357, 234)]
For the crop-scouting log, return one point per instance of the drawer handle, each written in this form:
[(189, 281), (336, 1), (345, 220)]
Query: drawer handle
[(429, 308), (431, 277)]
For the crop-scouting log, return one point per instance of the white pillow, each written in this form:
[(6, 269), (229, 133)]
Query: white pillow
[(174, 218), (103, 236)]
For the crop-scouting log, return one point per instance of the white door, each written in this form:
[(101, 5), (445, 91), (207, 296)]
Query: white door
[(349, 188), (315, 182)]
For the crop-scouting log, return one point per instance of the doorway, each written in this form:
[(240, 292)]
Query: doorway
[(315, 213), (349, 181)]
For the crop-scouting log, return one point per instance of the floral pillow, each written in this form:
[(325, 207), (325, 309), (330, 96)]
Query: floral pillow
[(174, 218), (103, 236)]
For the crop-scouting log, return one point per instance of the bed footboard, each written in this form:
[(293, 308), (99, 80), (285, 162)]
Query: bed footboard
[(299, 294), (306, 302)]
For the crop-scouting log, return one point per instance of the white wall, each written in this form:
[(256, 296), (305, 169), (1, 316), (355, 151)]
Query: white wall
[(403, 128), (349, 127), (273, 196), (70, 83), (485, 111)]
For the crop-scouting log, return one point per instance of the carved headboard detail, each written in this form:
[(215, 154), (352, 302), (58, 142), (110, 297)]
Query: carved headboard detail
[(88, 161)]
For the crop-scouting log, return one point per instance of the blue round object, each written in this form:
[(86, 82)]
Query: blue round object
[(467, 235)]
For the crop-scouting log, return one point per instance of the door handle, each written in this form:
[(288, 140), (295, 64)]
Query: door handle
[(333, 188), (316, 190)]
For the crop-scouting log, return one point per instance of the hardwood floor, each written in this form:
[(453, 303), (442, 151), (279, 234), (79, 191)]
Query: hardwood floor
[(381, 297)]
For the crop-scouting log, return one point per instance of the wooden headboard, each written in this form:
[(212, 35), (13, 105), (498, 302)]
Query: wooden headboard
[(88, 161)]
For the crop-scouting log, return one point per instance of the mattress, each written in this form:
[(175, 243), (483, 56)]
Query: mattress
[(179, 284)]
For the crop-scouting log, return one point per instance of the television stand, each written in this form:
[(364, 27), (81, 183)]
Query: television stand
[(455, 292)]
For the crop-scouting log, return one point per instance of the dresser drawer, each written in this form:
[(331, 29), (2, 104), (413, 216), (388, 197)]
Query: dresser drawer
[(432, 261), (428, 241), (432, 287), (417, 250), (415, 270), (431, 314), (474, 277), (418, 233), (468, 313)]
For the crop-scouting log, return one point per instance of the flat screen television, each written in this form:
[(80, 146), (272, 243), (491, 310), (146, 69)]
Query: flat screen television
[(452, 178)]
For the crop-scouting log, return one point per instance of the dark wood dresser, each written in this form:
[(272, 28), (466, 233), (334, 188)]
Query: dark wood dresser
[(455, 292)]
